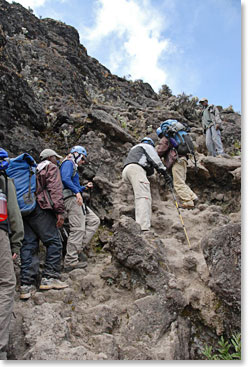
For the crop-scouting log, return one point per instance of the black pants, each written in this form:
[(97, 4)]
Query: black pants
[(40, 225)]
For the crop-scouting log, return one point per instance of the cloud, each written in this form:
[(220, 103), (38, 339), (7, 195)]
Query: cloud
[(132, 32)]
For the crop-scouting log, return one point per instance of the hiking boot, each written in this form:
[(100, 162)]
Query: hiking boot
[(52, 283), (196, 201), (82, 257), (78, 265), (26, 291), (224, 155), (186, 206)]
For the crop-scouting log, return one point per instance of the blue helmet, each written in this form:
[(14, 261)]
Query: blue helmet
[(159, 132), (148, 141), (3, 159), (79, 149)]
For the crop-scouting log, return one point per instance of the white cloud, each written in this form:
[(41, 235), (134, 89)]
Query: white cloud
[(137, 27)]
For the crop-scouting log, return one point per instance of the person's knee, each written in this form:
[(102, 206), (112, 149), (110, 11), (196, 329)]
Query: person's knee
[(77, 232), (9, 283), (216, 140), (97, 222), (209, 145)]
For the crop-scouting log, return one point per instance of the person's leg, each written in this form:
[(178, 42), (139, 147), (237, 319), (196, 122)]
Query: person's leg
[(209, 142), (7, 291), (43, 223), (77, 231), (179, 173), (136, 175), (29, 255), (216, 136), (92, 222)]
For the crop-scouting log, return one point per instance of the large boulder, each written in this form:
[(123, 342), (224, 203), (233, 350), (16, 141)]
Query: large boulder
[(222, 251)]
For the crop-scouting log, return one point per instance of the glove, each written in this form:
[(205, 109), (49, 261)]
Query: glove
[(162, 171), (168, 179)]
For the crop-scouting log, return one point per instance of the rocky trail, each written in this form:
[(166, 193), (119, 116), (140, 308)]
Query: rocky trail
[(142, 296)]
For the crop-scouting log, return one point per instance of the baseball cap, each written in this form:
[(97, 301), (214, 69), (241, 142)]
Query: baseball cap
[(203, 100), (49, 153)]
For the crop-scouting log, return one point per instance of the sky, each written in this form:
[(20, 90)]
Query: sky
[(190, 45)]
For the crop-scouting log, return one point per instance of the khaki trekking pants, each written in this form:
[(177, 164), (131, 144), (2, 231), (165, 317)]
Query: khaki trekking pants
[(136, 176), (7, 291), (82, 229), (179, 172)]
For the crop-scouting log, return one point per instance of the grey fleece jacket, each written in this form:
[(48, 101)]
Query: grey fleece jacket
[(211, 116), (146, 156)]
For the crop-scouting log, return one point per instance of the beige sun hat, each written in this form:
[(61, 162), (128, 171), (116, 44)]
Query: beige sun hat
[(49, 153)]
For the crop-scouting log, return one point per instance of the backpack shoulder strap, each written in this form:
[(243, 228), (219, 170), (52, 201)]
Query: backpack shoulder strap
[(74, 165), (3, 173), (31, 173)]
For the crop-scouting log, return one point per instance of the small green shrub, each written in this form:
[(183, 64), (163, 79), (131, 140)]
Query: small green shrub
[(236, 148), (226, 351)]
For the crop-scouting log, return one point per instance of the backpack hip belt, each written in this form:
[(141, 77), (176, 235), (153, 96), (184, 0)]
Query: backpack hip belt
[(67, 193)]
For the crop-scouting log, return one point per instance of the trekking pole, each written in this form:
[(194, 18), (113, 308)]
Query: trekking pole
[(181, 218), (192, 153)]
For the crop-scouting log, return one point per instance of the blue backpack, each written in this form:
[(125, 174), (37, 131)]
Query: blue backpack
[(178, 135), (22, 170)]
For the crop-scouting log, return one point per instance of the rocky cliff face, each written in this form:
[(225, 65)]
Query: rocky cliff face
[(141, 297)]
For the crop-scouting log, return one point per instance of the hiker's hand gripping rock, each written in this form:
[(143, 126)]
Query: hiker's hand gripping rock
[(89, 185)]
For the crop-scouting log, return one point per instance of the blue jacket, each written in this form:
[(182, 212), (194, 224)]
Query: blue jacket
[(69, 179)]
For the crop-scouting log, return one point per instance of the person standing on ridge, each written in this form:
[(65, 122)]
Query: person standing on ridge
[(212, 126), (140, 163), (83, 221), (11, 236)]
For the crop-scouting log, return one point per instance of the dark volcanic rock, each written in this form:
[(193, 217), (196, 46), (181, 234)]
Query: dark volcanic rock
[(18, 104), (222, 251), (104, 122)]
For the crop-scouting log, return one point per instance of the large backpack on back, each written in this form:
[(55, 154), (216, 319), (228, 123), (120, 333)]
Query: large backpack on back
[(178, 134), (22, 170)]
